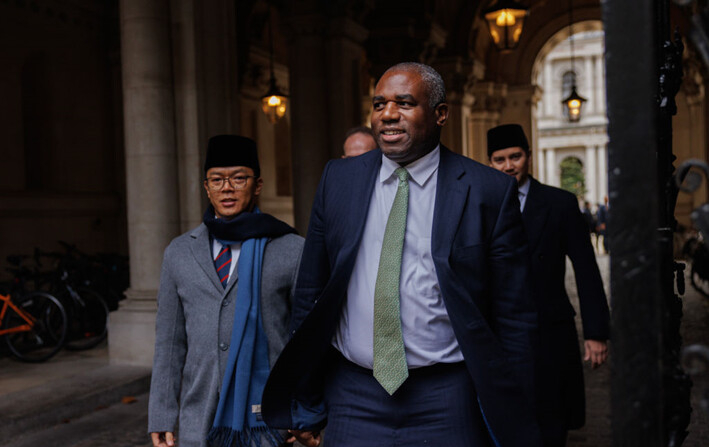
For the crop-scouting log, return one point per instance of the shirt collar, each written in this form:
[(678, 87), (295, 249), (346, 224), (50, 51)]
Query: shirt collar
[(524, 187), (420, 170)]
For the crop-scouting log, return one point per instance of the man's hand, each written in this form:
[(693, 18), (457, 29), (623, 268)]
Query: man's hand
[(595, 351), (307, 438), (163, 439)]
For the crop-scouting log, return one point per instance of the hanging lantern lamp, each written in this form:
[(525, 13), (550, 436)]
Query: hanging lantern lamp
[(273, 103), (574, 102), (505, 20)]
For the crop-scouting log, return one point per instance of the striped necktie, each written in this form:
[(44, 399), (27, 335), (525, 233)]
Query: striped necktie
[(390, 368), (223, 264)]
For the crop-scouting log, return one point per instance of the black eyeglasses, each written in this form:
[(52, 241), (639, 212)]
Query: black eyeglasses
[(236, 181)]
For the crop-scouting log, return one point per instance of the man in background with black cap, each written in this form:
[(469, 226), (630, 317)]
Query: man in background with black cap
[(223, 310), (555, 229)]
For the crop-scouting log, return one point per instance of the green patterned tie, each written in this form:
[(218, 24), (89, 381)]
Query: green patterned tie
[(390, 367)]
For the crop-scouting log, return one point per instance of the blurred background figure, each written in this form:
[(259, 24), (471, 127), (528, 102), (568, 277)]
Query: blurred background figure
[(358, 140), (590, 219), (602, 223)]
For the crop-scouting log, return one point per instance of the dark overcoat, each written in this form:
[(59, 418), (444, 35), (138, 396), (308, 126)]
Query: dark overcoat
[(556, 229)]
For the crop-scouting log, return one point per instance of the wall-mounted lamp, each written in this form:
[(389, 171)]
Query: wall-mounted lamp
[(505, 20), (274, 102)]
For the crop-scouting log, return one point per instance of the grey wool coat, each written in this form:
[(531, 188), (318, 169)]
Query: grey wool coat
[(193, 329)]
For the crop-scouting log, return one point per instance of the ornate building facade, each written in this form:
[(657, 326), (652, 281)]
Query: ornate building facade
[(557, 139)]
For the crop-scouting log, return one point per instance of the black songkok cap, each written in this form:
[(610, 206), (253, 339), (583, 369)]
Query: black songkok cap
[(506, 136), (232, 150)]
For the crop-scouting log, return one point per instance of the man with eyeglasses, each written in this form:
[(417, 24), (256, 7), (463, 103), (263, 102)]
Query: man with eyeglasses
[(223, 310)]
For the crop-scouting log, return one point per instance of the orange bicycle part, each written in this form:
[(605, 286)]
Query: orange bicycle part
[(34, 326), (24, 315)]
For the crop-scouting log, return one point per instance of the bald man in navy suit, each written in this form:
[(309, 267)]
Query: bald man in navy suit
[(459, 368)]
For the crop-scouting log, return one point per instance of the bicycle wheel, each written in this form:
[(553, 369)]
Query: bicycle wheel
[(88, 320), (47, 334)]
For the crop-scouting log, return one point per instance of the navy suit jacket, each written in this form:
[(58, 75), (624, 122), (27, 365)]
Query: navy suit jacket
[(480, 254)]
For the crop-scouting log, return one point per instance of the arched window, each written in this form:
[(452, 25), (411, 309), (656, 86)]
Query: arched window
[(572, 176)]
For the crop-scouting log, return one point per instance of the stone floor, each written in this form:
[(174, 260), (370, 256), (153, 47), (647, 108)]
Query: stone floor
[(695, 329)]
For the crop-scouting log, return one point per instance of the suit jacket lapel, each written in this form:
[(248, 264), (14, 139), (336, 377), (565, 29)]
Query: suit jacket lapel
[(362, 181), (451, 194), (535, 214), (201, 250)]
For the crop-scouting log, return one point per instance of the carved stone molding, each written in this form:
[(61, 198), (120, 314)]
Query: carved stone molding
[(459, 76), (489, 97)]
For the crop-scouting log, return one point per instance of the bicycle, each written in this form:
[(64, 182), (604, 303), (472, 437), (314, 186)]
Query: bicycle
[(35, 327), (87, 311)]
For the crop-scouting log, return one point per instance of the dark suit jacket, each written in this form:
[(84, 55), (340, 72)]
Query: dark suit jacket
[(480, 254), (602, 218), (555, 229)]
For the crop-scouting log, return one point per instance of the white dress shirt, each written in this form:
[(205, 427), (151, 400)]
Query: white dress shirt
[(522, 193), (427, 331)]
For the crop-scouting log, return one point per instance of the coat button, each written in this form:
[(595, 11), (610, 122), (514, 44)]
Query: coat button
[(225, 303), (223, 346)]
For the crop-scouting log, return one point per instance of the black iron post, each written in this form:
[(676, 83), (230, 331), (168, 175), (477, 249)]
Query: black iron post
[(677, 384), (650, 393)]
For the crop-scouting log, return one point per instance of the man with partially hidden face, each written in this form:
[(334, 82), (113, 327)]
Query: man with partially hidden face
[(556, 229), (223, 310), (412, 322), (358, 140)]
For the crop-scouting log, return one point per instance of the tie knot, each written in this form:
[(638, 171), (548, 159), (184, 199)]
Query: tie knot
[(402, 173)]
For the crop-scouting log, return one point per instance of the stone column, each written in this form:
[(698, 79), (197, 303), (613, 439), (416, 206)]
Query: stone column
[(551, 177), (458, 77), (539, 170), (326, 98), (344, 53), (547, 85), (151, 173), (309, 97), (187, 133), (489, 99), (591, 172), (599, 76), (520, 108), (602, 172), (588, 74)]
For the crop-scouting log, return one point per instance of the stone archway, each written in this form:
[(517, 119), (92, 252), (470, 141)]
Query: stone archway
[(554, 137)]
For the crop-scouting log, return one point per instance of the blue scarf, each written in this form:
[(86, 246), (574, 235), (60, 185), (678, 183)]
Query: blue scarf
[(237, 421)]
